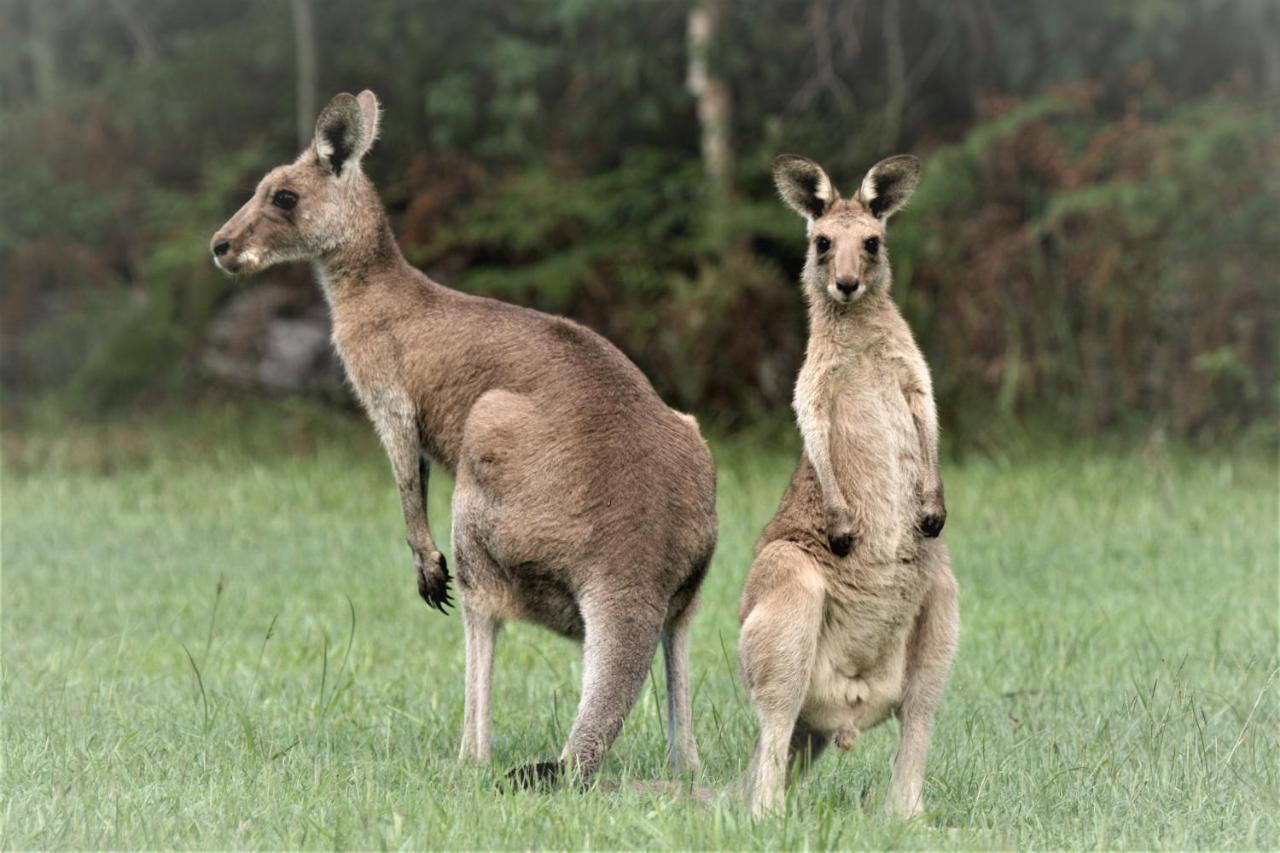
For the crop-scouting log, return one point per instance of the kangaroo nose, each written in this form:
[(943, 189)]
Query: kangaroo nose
[(221, 248), (846, 286)]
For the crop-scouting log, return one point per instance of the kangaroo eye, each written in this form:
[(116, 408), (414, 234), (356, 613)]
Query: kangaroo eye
[(822, 244), (285, 200), (872, 245)]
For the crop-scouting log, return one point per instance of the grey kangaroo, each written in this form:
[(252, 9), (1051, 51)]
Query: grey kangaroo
[(849, 613), (582, 502)]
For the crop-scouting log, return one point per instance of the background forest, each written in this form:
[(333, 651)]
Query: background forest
[(1095, 243)]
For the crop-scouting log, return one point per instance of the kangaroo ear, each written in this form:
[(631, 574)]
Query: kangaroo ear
[(803, 185), (889, 184), (345, 130), (371, 111)]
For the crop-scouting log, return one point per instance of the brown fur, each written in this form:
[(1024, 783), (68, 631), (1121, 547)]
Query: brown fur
[(582, 502), (849, 612)]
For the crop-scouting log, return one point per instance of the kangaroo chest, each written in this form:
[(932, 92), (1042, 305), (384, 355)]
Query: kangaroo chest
[(874, 447)]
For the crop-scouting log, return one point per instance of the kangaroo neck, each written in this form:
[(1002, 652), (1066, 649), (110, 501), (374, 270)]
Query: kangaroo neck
[(370, 256), (834, 325)]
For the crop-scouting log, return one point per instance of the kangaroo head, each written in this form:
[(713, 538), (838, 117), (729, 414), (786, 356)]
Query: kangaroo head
[(846, 258), (314, 206)]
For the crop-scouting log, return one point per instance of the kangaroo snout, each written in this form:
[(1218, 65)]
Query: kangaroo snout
[(232, 254), (223, 258), (253, 239), (844, 290)]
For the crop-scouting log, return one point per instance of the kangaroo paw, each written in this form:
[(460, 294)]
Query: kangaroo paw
[(433, 580), (840, 536), (933, 516)]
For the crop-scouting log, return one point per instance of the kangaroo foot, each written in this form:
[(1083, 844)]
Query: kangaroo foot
[(539, 776)]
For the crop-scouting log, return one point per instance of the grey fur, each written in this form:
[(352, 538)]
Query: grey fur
[(582, 502)]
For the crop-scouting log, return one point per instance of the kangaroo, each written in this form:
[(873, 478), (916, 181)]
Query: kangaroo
[(849, 613), (581, 503)]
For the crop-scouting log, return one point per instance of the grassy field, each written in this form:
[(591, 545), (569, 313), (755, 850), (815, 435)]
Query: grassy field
[(212, 638)]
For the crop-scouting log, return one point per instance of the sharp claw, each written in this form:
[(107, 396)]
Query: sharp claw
[(435, 591), (433, 583)]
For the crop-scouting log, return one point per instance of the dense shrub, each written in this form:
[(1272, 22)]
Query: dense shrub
[(1103, 267)]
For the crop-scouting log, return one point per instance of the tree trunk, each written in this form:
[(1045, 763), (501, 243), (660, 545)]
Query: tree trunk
[(895, 98), (304, 39), (714, 108), (44, 53), (144, 46)]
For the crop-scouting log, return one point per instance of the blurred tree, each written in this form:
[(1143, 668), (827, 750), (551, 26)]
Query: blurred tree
[(304, 41), (1103, 260), (144, 48), (41, 49), (714, 108)]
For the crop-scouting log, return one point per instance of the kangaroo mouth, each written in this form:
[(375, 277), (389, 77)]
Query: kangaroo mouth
[(242, 263), (840, 297)]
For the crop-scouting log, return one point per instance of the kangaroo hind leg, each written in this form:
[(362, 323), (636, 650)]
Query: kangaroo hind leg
[(476, 572), (621, 637), (776, 653), (930, 650)]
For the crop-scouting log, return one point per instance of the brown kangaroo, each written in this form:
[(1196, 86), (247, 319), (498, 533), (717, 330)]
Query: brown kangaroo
[(582, 502), (849, 612)]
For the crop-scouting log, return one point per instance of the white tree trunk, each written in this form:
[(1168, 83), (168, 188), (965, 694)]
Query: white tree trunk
[(714, 103), (43, 51), (304, 39)]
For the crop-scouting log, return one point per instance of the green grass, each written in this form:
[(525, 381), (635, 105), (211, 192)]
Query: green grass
[(212, 638)]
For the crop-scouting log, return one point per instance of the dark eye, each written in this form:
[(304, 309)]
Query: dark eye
[(822, 244), (872, 245), (285, 200)]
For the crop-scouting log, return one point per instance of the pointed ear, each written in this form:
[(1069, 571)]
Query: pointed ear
[(345, 131), (371, 111), (803, 185), (889, 184)]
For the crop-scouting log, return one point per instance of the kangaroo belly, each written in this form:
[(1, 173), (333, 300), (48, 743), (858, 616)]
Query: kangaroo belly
[(860, 659), (849, 693)]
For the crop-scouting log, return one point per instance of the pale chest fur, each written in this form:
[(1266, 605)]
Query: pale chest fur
[(874, 447)]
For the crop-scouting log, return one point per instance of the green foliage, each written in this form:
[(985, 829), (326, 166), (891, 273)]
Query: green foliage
[(1116, 267)]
